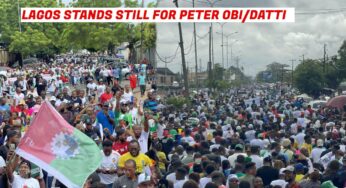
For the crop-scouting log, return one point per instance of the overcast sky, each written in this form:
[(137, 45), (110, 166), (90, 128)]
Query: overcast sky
[(260, 44)]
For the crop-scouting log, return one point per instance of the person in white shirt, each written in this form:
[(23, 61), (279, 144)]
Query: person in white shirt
[(91, 86), (317, 151), (208, 170), (238, 151), (180, 175), (18, 96), (255, 157), (141, 136), (100, 88), (128, 95), (24, 178), (108, 168), (299, 137)]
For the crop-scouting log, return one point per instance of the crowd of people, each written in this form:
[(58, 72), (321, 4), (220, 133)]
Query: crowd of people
[(275, 140)]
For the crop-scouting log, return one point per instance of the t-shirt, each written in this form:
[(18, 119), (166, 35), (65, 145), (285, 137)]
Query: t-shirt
[(143, 141), (101, 118), (120, 147), (141, 161), (105, 97), (18, 97), (109, 163), (19, 182), (141, 79)]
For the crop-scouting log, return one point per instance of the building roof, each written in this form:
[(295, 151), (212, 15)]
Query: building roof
[(163, 71)]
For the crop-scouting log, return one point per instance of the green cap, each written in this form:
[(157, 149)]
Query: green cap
[(328, 184), (239, 146)]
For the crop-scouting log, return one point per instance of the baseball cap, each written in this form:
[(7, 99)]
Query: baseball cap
[(298, 167), (289, 169), (328, 184), (319, 142), (53, 98), (281, 183), (239, 146)]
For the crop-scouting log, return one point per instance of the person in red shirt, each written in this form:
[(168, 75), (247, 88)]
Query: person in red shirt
[(105, 97), (120, 145), (133, 80)]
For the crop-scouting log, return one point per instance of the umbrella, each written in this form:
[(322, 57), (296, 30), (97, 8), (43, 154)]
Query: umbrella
[(337, 102)]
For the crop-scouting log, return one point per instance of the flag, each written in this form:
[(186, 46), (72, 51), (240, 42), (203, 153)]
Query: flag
[(58, 148)]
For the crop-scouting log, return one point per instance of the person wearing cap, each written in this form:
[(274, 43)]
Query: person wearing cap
[(232, 181), (106, 118), (239, 150), (286, 150), (290, 177), (145, 181), (23, 179), (267, 172), (250, 173), (317, 151), (299, 171)]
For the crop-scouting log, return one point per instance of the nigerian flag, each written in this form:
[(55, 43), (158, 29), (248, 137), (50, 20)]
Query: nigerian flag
[(58, 148)]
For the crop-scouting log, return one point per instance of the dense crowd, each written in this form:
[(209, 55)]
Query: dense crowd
[(223, 140)]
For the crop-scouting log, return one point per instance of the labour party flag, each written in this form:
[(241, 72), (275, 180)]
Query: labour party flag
[(57, 147)]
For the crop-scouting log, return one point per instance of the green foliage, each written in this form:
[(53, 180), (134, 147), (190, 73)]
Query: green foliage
[(308, 77), (62, 37), (279, 72), (178, 102), (30, 42)]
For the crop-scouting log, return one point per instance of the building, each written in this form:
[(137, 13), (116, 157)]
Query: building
[(202, 77), (165, 77)]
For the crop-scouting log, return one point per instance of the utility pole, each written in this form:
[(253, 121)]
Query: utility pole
[(194, 33), (222, 43), (165, 70), (292, 61), (212, 3), (210, 74), (324, 59), (324, 62), (181, 43), (142, 29)]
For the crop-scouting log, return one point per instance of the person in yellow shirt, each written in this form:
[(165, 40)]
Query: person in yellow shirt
[(307, 144), (133, 153), (299, 170)]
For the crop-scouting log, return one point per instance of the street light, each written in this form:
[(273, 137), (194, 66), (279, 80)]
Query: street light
[(211, 4), (228, 35), (222, 24)]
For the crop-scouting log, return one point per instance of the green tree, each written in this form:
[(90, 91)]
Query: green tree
[(30, 42), (307, 79), (279, 72)]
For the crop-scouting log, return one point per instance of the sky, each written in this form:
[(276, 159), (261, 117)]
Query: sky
[(259, 44)]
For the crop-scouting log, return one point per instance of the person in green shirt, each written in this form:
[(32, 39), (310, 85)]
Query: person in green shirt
[(122, 112)]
